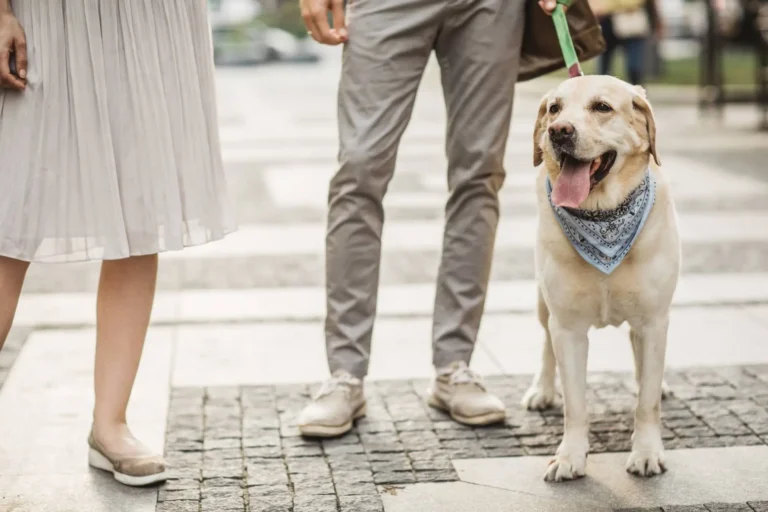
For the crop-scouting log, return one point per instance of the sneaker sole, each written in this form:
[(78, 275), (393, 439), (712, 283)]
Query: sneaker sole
[(473, 421), (333, 431), (98, 461)]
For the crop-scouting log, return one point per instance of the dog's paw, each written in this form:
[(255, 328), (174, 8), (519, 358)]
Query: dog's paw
[(566, 467), (646, 462), (538, 398), (666, 392)]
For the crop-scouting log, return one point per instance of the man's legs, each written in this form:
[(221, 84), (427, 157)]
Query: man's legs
[(479, 52), (389, 45)]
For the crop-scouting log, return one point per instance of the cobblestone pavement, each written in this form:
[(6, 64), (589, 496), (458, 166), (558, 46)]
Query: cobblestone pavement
[(239, 449)]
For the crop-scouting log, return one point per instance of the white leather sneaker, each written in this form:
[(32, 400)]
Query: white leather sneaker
[(338, 403), (460, 392)]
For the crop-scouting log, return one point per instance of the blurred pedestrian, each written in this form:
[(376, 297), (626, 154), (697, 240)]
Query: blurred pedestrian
[(631, 25), (387, 44), (109, 151)]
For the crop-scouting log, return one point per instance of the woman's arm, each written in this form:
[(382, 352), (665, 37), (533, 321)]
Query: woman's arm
[(5, 6)]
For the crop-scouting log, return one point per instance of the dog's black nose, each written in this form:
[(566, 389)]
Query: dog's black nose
[(560, 133)]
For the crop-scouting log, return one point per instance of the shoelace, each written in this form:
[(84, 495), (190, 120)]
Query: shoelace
[(463, 375), (342, 381)]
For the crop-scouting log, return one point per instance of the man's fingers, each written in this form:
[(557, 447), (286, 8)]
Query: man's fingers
[(309, 22), (339, 23), (6, 78), (20, 47), (320, 19), (548, 6)]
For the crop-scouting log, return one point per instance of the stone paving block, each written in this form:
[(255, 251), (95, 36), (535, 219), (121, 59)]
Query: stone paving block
[(354, 489), (267, 474), (270, 503), (181, 484), (361, 504), (269, 490), (179, 506), (179, 495), (312, 485), (394, 477), (315, 504)]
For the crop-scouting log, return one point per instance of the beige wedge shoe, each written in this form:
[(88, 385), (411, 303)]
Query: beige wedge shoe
[(136, 471)]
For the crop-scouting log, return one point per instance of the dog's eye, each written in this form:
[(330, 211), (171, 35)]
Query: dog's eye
[(603, 108), (554, 108)]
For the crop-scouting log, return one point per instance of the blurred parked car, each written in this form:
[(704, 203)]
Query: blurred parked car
[(257, 43)]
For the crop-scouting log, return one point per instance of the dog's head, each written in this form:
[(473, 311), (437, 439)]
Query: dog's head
[(592, 131)]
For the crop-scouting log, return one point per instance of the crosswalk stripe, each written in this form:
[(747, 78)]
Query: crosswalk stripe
[(308, 303), (419, 235)]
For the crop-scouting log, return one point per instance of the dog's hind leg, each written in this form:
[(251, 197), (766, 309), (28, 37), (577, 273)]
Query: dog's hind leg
[(665, 391), (541, 394)]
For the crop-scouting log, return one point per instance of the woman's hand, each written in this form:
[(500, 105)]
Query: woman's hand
[(12, 40)]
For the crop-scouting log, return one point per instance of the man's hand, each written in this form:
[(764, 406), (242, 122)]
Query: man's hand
[(315, 14), (549, 6), (12, 39)]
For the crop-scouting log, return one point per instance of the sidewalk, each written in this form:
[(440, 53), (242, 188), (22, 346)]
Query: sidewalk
[(236, 344)]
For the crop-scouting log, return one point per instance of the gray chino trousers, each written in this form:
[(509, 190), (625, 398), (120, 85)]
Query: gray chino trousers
[(477, 44)]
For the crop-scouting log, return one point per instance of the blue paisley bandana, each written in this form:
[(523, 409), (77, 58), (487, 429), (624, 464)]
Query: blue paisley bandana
[(604, 237)]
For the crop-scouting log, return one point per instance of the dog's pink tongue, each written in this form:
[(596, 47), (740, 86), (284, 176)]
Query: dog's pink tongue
[(572, 186)]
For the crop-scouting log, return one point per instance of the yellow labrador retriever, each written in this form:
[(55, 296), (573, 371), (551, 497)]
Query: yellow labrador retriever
[(608, 252)]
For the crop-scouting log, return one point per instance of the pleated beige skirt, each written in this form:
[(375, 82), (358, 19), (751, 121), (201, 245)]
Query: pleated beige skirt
[(113, 149)]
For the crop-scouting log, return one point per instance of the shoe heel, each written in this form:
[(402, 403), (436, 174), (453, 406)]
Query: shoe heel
[(361, 412), (98, 461)]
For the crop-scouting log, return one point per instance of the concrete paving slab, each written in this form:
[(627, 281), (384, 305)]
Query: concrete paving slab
[(43, 454), (735, 474), (464, 497), (92, 492)]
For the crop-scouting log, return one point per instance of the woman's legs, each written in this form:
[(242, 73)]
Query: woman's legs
[(126, 294), (12, 274)]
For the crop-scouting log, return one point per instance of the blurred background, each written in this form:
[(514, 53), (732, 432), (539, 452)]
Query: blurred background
[(252, 32)]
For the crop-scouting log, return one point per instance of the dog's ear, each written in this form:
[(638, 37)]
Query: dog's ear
[(640, 103), (538, 152)]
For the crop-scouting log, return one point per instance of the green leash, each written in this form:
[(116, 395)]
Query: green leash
[(564, 38)]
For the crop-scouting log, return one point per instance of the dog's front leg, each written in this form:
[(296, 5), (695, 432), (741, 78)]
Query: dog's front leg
[(647, 457), (571, 348)]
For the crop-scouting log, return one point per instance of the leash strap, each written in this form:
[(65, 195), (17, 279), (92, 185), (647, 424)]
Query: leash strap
[(564, 38)]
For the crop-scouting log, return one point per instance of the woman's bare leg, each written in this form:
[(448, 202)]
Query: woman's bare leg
[(126, 294), (12, 274)]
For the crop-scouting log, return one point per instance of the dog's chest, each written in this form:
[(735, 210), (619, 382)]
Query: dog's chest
[(636, 289)]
